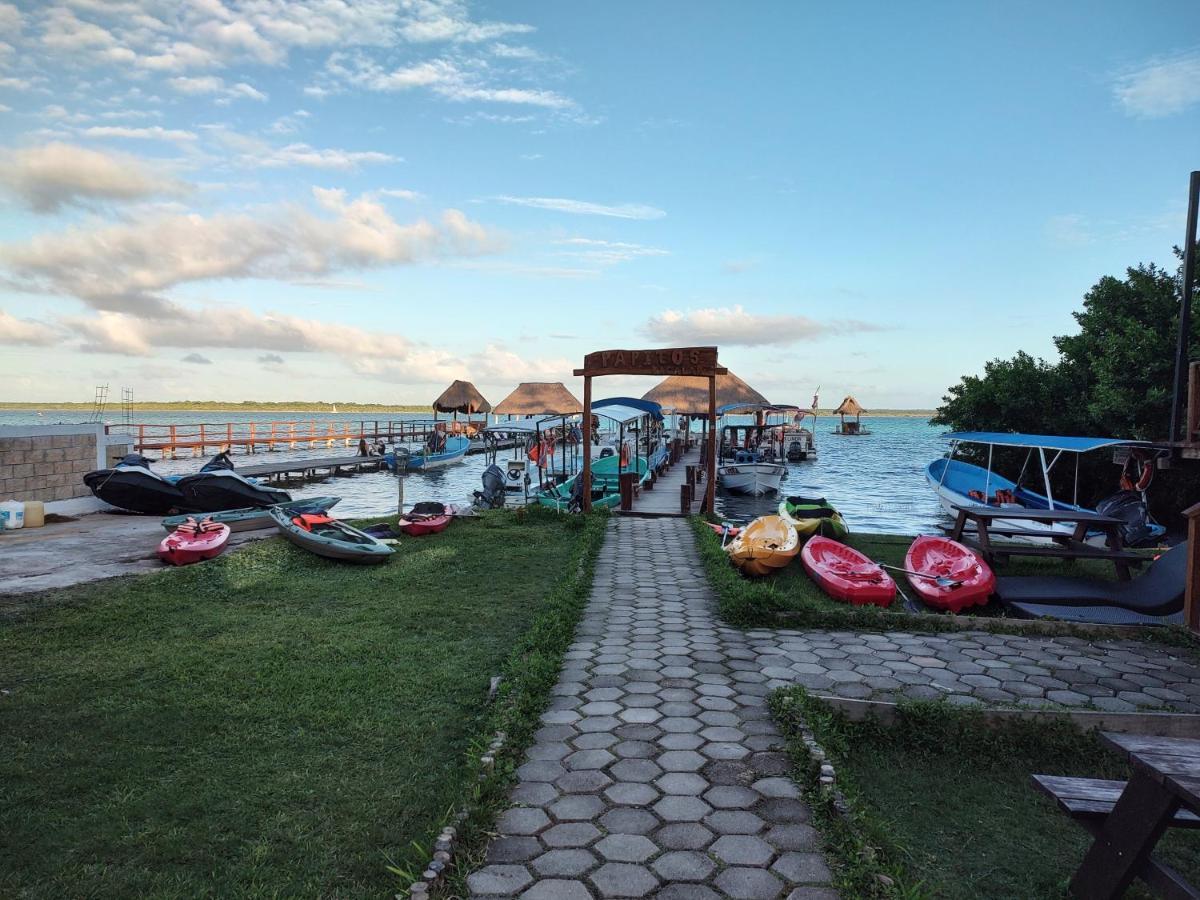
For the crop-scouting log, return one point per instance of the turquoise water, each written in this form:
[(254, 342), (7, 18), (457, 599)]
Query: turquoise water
[(877, 481)]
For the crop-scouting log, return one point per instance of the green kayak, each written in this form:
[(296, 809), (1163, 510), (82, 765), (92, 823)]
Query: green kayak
[(813, 515)]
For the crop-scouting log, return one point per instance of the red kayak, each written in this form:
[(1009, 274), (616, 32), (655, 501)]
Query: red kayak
[(419, 525), (845, 574), (194, 542), (971, 581)]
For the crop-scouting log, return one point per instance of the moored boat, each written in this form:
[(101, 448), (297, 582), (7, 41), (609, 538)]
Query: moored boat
[(318, 533), (194, 541), (845, 574), (131, 485), (764, 546), (749, 473), (217, 486), (813, 515), (252, 518), (948, 575), (441, 449)]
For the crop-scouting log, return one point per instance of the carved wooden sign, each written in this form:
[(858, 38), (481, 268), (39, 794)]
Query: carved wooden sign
[(667, 361)]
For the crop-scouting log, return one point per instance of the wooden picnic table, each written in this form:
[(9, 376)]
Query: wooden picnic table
[(1163, 791), (993, 521)]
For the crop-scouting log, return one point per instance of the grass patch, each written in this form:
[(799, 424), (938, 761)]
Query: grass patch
[(791, 599), (940, 804), (272, 723)]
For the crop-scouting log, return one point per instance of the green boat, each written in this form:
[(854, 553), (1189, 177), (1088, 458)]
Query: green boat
[(606, 484), (813, 515), (254, 518)]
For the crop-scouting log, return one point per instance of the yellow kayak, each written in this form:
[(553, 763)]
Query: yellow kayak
[(766, 544)]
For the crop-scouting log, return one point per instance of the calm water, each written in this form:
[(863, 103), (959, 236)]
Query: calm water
[(876, 481)]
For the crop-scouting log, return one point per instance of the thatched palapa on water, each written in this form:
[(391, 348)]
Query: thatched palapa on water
[(461, 397), (539, 398), (849, 407)]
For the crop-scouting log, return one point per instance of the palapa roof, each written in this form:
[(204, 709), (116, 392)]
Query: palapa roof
[(849, 407), (538, 398), (689, 394), (461, 397)]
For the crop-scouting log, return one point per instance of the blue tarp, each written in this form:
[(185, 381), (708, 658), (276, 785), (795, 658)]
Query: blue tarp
[(627, 409), (1048, 441)]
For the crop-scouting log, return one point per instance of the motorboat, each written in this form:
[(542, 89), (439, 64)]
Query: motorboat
[(958, 482), (131, 485), (439, 449), (751, 453), (217, 486)]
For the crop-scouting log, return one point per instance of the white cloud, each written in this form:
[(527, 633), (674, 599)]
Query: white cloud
[(151, 133), (10, 19), (26, 331), (126, 267), (210, 84), (291, 123), (735, 326), (584, 208), (447, 20), (1161, 87), (13, 83), (327, 158), (400, 193), (53, 175), (197, 359), (607, 252)]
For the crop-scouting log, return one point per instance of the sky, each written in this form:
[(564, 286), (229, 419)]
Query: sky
[(361, 200)]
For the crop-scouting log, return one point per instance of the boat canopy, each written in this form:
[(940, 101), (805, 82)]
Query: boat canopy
[(1043, 441), (530, 426), (624, 410)]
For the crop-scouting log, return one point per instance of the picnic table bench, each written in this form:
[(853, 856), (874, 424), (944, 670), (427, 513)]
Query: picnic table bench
[(1128, 818), (991, 521)]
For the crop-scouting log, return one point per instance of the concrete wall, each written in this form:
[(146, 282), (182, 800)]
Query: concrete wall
[(48, 462)]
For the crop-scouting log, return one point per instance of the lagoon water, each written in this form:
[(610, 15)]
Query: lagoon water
[(877, 481)]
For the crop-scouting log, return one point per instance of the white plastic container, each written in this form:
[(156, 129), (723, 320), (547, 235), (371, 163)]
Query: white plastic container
[(35, 514), (14, 514)]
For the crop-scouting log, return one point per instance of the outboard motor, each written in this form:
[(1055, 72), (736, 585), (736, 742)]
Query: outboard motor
[(1130, 508), (492, 495)]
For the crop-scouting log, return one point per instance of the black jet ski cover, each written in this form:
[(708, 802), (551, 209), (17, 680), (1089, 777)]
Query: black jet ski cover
[(1130, 508)]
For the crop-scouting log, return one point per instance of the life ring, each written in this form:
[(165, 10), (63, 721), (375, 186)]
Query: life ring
[(1144, 464)]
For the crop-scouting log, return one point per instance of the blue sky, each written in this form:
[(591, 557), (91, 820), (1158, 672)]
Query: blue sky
[(341, 200)]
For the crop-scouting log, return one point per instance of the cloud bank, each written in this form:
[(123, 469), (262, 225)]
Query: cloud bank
[(735, 326)]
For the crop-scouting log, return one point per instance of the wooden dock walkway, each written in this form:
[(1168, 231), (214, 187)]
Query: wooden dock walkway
[(312, 468), (664, 498)]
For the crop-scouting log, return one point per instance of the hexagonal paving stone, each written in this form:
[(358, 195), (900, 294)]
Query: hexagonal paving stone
[(628, 820), (600, 708), (563, 863), (501, 880), (540, 770), (557, 889), (734, 821), (576, 808), (624, 880), (570, 834), (588, 781), (588, 759), (681, 761), (513, 849), (742, 850), (522, 820), (783, 809), (748, 884), (680, 741), (683, 836), (683, 865), (687, 892), (630, 793), (793, 836), (534, 793), (681, 783), (776, 786), (640, 716), (626, 848), (802, 867), (678, 808), (636, 770), (593, 740), (728, 796)]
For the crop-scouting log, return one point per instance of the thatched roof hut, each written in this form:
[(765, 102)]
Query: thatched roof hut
[(849, 407), (538, 398), (688, 395), (461, 397)]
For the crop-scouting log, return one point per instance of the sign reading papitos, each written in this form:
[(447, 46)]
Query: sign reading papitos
[(667, 361)]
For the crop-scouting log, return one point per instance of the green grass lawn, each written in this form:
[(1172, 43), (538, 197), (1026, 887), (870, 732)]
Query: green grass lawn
[(269, 723), (945, 807), (750, 601)]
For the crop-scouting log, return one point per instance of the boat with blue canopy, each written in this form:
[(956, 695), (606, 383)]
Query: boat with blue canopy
[(639, 448), (961, 483), (440, 448)]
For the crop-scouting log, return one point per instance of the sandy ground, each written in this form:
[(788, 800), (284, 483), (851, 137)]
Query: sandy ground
[(89, 548)]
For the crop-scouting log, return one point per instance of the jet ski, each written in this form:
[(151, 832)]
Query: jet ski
[(218, 487), (131, 485)]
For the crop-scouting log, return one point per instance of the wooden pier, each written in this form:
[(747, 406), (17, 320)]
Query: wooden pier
[(675, 493), (252, 437), (313, 468)]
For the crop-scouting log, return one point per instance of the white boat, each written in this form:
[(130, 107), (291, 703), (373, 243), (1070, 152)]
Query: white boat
[(750, 477), (960, 483)]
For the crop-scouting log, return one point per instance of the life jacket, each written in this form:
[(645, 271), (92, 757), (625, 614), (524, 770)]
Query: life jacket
[(308, 520)]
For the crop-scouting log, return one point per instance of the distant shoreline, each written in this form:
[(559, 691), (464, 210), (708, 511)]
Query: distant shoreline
[(301, 407)]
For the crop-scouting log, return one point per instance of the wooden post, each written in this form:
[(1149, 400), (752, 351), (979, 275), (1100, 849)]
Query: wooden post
[(710, 487), (586, 472), (1191, 597), (1193, 402)]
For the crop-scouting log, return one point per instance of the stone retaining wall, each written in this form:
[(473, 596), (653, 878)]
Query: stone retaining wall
[(48, 463)]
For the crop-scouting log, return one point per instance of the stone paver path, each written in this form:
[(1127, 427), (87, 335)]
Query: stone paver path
[(977, 668), (658, 771)]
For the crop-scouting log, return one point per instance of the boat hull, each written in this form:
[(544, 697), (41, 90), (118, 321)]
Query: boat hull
[(417, 526), (754, 479), (334, 540), (845, 574), (939, 556), (813, 515), (186, 546), (764, 546)]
